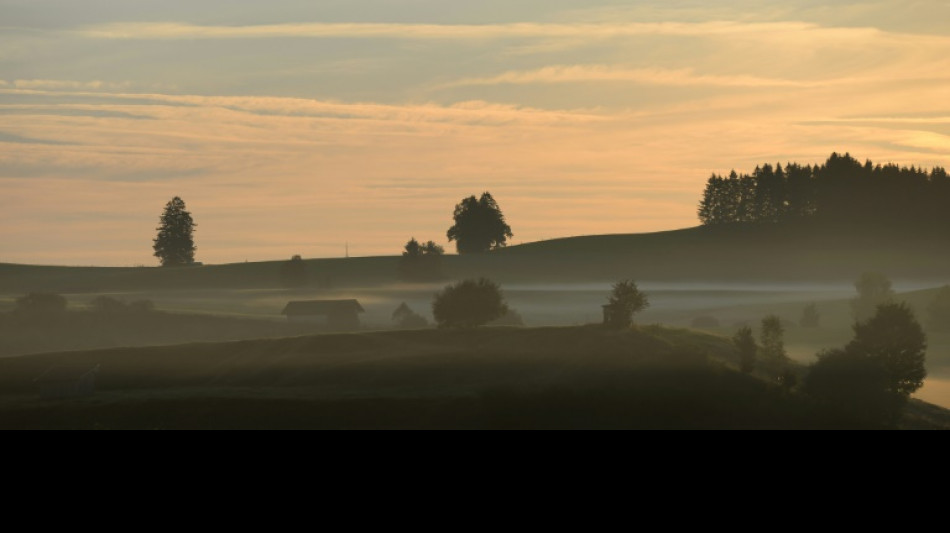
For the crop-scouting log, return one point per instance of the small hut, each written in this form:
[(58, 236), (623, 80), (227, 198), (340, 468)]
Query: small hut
[(336, 314), (61, 382)]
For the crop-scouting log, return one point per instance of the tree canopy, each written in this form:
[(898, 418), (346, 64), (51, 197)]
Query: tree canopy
[(894, 337), (878, 370), (625, 300), (175, 245), (479, 225), (468, 303), (421, 262), (842, 190), (873, 289)]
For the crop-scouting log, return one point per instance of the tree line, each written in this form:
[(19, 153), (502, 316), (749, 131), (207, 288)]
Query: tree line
[(842, 190)]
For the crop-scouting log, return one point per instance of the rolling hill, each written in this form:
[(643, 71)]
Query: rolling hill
[(569, 377), (706, 253)]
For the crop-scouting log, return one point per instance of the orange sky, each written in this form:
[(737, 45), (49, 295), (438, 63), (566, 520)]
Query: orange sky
[(296, 136)]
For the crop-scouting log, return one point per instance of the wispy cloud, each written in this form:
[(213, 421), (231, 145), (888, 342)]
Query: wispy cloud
[(684, 77), (649, 76), (66, 84), (175, 30)]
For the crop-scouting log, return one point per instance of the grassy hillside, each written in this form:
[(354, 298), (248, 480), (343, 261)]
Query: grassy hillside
[(571, 377), (799, 253)]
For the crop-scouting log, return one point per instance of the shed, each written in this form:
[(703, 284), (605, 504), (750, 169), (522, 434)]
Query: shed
[(339, 314), (62, 382)]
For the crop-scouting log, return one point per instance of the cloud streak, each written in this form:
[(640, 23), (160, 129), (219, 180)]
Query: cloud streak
[(606, 73), (172, 30)]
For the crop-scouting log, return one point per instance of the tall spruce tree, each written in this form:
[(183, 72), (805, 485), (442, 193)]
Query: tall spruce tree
[(174, 245)]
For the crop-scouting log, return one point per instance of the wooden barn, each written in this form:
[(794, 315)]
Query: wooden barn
[(62, 382), (340, 315)]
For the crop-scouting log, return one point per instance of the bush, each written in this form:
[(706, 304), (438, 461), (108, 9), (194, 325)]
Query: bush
[(468, 303)]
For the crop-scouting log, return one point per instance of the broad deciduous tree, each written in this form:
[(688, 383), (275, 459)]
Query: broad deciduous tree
[(479, 225), (468, 303), (625, 300)]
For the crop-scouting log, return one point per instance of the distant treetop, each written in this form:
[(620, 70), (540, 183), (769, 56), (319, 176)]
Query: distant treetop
[(841, 190)]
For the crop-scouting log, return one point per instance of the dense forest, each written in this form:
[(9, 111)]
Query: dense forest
[(841, 192)]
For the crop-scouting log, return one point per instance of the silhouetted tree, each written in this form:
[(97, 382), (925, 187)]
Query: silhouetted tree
[(294, 273), (479, 225), (894, 337), (747, 348), (939, 310), (852, 384), (421, 262), (174, 245), (774, 358), (878, 370), (810, 317), (873, 289), (842, 192), (468, 303), (625, 300), (406, 318)]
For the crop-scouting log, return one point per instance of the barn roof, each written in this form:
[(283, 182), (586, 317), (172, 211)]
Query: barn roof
[(322, 307)]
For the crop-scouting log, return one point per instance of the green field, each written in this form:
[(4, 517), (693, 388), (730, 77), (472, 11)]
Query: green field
[(568, 377)]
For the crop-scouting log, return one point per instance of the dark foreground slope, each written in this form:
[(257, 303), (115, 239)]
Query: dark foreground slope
[(579, 377), (709, 253)]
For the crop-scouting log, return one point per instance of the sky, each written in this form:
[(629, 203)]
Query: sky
[(299, 127)]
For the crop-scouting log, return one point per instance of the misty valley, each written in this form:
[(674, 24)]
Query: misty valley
[(455, 215)]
